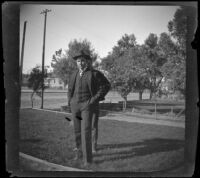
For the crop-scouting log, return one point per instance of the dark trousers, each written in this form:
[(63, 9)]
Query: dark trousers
[(95, 120), (83, 122)]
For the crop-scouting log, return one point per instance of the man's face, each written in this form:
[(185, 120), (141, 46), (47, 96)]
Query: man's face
[(82, 63)]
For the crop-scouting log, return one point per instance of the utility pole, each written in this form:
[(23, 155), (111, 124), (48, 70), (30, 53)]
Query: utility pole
[(43, 52), (22, 60), (22, 53)]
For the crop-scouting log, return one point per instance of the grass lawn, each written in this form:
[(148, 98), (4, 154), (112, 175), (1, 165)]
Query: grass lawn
[(122, 146), (58, 99)]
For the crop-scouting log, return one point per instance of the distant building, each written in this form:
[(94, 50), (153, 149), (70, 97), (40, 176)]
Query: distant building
[(167, 85), (54, 82), (25, 78)]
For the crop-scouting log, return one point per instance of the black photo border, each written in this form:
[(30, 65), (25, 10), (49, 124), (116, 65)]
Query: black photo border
[(10, 41)]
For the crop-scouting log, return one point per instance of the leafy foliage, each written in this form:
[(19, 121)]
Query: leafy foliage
[(63, 64), (139, 67), (35, 81), (117, 63), (178, 29), (36, 78), (178, 26), (132, 67), (154, 62)]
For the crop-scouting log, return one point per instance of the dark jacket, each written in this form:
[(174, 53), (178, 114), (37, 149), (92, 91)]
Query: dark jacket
[(97, 83)]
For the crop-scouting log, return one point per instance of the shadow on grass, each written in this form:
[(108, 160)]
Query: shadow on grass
[(138, 149), (30, 140), (103, 113)]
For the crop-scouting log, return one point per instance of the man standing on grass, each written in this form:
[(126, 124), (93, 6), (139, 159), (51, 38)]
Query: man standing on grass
[(86, 88)]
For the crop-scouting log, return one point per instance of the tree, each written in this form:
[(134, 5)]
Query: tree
[(167, 46), (170, 51), (35, 81), (178, 27), (122, 78), (178, 30), (96, 65), (138, 61), (63, 64), (118, 67), (153, 64), (126, 42)]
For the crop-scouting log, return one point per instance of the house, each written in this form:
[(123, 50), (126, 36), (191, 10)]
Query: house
[(54, 82), (167, 85)]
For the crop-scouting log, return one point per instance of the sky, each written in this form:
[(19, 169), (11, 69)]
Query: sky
[(102, 25)]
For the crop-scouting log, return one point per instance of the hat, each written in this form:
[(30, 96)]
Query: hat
[(82, 53)]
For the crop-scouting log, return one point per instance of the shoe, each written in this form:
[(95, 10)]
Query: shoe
[(94, 151), (78, 155), (86, 164), (75, 149)]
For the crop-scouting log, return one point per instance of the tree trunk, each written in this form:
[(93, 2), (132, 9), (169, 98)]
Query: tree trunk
[(124, 103), (140, 95), (32, 103), (41, 107), (151, 94), (32, 100)]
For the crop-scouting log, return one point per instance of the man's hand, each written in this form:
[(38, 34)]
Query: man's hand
[(71, 123), (67, 118)]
